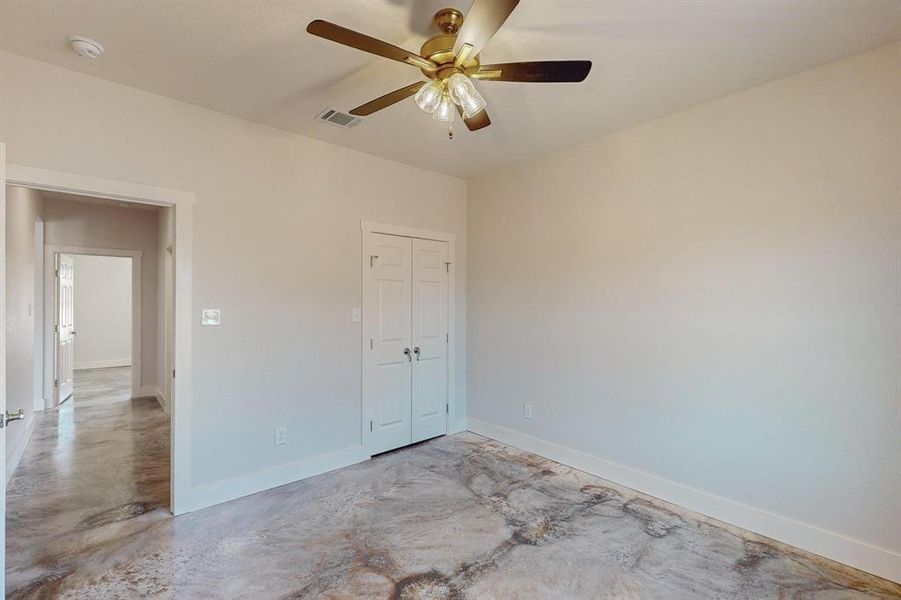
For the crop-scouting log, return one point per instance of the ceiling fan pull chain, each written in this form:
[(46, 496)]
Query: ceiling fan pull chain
[(450, 130)]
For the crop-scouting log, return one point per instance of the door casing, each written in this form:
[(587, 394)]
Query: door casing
[(367, 227), (50, 253), (184, 496)]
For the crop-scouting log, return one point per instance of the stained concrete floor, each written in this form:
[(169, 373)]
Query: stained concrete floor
[(457, 517)]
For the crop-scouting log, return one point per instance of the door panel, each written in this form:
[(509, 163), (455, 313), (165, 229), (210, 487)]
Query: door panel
[(428, 383), (387, 322), (3, 371), (65, 328), (393, 400), (430, 339)]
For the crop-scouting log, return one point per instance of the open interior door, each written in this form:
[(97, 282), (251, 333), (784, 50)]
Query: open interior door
[(64, 329), (3, 368)]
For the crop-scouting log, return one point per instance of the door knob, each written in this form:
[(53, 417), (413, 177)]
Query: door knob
[(407, 354), (416, 352), (12, 416)]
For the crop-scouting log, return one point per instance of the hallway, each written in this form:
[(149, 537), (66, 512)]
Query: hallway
[(98, 459)]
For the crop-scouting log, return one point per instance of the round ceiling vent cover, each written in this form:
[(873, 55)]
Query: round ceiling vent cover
[(85, 46)]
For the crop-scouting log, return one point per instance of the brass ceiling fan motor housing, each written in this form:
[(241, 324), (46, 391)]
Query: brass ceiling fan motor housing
[(440, 48)]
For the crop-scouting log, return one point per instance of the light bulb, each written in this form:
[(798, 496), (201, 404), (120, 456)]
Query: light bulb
[(446, 110), (429, 96), (464, 93)]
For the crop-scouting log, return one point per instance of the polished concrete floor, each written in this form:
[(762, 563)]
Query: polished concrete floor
[(456, 517)]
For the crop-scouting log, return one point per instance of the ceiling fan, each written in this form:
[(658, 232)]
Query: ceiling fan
[(450, 60)]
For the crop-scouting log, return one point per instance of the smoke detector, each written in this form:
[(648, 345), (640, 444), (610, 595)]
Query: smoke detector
[(85, 46)]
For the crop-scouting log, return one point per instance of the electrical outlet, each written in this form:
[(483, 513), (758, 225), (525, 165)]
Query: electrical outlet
[(281, 435), (527, 411)]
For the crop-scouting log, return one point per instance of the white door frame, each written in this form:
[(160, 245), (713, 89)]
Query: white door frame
[(182, 203), (411, 232), (50, 314)]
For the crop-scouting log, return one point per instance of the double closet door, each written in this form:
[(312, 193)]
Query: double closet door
[(405, 341)]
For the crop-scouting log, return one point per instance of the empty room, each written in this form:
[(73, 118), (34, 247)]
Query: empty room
[(450, 299)]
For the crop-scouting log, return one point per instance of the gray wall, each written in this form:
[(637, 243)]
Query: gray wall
[(103, 307), (712, 298), (277, 247)]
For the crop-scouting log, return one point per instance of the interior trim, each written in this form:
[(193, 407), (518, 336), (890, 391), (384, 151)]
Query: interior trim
[(272, 477), (856, 553)]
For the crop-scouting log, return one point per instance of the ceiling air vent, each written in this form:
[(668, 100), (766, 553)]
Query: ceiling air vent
[(333, 116)]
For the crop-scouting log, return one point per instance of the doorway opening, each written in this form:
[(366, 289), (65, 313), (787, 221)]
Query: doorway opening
[(98, 441), (96, 329)]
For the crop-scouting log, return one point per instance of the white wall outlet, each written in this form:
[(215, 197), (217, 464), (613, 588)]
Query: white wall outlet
[(281, 435), (210, 316), (527, 411), (356, 314)]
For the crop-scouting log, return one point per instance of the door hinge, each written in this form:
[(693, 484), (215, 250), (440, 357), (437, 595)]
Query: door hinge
[(56, 383), (370, 425), (56, 329), (370, 343), (372, 258), (447, 338), (447, 267), (56, 273), (447, 408), (173, 373)]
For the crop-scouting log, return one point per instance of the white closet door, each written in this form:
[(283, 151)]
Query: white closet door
[(388, 321), (429, 339), (65, 327)]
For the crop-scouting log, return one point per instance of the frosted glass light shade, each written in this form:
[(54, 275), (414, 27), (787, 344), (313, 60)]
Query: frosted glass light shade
[(446, 110), (429, 96), (464, 93)]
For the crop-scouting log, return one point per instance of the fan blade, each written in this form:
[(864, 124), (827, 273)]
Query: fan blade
[(387, 100), (349, 37), (478, 121), (546, 71), (482, 21)]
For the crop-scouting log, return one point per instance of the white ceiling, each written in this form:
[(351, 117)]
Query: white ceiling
[(255, 60)]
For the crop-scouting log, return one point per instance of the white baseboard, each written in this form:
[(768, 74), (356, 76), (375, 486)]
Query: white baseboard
[(146, 391), (861, 555), (14, 453), (152, 391), (102, 364), (252, 483)]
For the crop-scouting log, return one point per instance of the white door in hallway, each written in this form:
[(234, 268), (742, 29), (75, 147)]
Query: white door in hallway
[(405, 341), (429, 339), (388, 319), (64, 329), (3, 370)]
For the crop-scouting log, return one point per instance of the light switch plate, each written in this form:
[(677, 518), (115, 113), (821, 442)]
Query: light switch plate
[(356, 314), (281, 435), (527, 411), (210, 316)]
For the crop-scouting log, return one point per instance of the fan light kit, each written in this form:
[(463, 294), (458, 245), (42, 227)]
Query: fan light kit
[(450, 61)]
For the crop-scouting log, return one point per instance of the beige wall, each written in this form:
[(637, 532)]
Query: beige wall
[(71, 223), (102, 311), (277, 248), (712, 298), (23, 209)]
